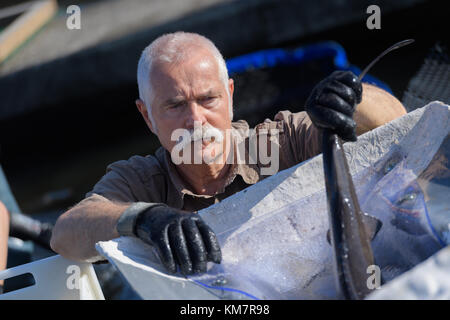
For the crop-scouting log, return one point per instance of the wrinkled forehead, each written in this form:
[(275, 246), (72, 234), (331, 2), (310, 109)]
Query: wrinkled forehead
[(196, 69)]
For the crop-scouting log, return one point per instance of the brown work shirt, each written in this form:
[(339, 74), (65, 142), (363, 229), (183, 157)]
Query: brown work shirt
[(156, 179)]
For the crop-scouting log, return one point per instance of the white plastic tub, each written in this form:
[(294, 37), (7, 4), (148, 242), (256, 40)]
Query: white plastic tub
[(56, 278)]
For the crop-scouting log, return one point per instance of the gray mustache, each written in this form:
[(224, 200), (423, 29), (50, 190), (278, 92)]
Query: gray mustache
[(205, 133)]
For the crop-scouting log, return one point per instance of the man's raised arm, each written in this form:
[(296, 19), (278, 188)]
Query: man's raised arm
[(376, 108), (343, 104)]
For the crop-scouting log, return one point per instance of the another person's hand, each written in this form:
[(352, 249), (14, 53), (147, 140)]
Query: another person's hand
[(180, 237), (333, 101), (4, 232)]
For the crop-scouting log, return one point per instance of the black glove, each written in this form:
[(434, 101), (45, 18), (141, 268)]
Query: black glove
[(180, 237), (333, 101)]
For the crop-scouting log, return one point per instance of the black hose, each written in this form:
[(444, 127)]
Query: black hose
[(26, 228)]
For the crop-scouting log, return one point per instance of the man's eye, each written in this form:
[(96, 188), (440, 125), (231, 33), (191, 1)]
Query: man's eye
[(208, 99), (176, 105)]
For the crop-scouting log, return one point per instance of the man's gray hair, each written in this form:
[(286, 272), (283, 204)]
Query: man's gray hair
[(173, 48)]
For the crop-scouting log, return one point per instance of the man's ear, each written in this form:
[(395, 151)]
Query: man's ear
[(144, 112), (231, 91), (231, 87)]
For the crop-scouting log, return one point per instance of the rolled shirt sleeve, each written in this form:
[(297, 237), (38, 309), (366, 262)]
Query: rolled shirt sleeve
[(134, 180)]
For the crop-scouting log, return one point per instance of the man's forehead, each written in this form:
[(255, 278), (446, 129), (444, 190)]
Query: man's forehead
[(168, 79), (196, 61)]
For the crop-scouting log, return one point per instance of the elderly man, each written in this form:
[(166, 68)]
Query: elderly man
[(184, 85)]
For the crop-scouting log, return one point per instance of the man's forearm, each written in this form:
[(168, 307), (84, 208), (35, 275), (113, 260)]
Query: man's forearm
[(376, 108), (78, 230)]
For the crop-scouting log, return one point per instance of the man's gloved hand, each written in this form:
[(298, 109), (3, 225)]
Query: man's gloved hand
[(333, 101), (180, 237)]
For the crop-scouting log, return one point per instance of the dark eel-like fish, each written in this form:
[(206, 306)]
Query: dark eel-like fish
[(351, 230)]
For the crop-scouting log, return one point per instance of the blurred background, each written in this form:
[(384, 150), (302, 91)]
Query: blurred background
[(67, 95)]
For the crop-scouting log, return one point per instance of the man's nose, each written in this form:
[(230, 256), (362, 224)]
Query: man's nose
[(194, 114)]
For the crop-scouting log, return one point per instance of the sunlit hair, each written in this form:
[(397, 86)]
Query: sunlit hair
[(173, 48)]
